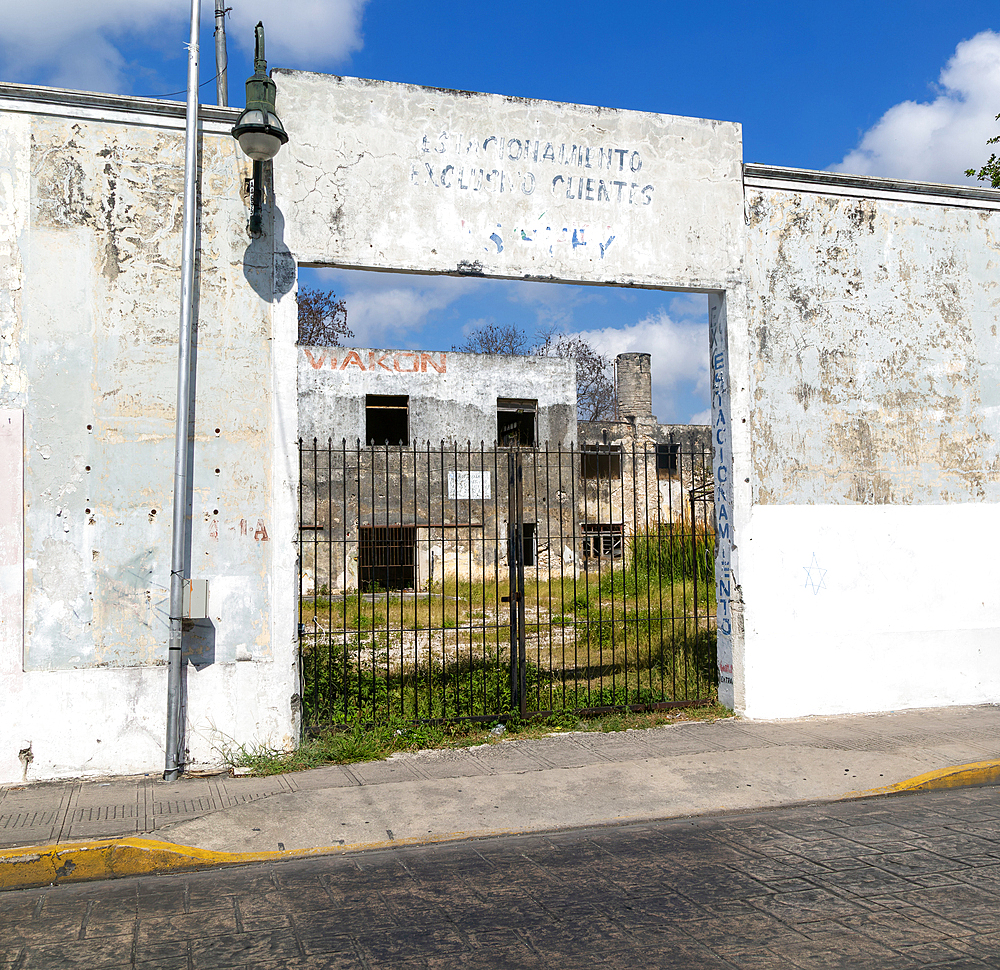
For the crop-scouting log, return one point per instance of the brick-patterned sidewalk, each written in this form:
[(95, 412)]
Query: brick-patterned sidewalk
[(515, 785)]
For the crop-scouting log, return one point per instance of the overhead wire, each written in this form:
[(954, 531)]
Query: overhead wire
[(174, 94)]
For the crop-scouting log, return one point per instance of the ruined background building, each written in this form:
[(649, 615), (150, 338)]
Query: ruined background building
[(403, 452)]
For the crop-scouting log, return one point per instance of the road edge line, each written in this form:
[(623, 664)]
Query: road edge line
[(31, 866)]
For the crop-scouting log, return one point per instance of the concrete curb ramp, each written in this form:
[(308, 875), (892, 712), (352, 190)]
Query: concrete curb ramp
[(958, 776), (41, 865)]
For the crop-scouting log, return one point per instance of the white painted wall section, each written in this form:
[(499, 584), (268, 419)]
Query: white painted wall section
[(855, 609)]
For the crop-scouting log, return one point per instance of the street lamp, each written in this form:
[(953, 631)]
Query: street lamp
[(258, 129)]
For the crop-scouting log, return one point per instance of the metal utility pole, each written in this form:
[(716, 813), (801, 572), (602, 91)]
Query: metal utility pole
[(221, 57), (174, 761)]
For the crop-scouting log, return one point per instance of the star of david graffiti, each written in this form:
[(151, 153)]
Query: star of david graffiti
[(815, 576)]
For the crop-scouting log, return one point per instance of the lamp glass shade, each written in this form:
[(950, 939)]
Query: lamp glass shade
[(259, 145), (259, 133)]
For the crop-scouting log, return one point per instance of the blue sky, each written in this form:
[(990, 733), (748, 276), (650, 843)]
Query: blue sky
[(901, 89)]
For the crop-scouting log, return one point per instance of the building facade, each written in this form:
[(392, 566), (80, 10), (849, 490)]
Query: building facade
[(853, 360)]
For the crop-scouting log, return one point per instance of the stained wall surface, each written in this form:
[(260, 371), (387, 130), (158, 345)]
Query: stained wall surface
[(396, 176), (90, 222), (853, 379)]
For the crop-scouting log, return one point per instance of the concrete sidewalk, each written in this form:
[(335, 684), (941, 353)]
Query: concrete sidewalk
[(561, 781)]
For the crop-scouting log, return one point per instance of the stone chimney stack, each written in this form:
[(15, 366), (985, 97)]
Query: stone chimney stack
[(635, 388)]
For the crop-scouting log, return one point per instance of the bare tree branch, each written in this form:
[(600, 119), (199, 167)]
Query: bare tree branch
[(506, 340), (595, 388), (322, 318)]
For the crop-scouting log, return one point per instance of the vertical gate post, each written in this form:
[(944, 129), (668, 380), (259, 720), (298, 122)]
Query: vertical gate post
[(521, 662), (511, 598), (515, 578), (694, 549)]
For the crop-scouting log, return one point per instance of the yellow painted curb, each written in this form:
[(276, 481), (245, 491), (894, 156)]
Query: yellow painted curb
[(41, 865), (957, 776)]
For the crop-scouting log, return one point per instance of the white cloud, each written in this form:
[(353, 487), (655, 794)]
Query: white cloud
[(553, 303), (89, 45), (390, 309), (396, 310), (300, 32), (937, 141), (679, 359)]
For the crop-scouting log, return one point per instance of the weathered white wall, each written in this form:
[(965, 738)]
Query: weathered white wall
[(396, 176), (90, 223), (453, 397), (875, 429), (855, 405)]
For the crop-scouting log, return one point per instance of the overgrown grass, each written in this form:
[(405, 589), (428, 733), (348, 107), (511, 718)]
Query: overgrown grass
[(637, 632), (372, 742)]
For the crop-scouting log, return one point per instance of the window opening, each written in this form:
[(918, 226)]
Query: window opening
[(666, 459), (530, 544), (601, 461), (603, 539), (387, 419), (387, 557), (516, 421)]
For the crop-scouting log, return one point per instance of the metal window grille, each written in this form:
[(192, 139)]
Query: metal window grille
[(601, 461), (603, 539)]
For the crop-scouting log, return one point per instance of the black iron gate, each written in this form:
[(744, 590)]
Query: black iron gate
[(474, 583)]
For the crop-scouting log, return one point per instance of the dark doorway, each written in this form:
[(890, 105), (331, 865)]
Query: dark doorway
[(387, 557), (530, 544)]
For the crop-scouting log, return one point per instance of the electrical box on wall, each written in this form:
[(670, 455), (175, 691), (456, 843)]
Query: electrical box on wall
[(195, 603)]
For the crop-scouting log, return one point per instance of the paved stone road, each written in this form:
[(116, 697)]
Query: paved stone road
[(906, 881)]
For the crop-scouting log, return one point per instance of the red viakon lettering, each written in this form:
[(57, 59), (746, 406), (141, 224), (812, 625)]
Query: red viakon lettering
[(374, 361), (352, 358), (312, 360), (415, 358), (426, 359)]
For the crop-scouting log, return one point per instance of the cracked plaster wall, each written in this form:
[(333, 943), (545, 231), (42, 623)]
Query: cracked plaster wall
[(396, 176)]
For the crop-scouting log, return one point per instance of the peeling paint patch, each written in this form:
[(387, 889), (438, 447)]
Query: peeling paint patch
[(873, 352)]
